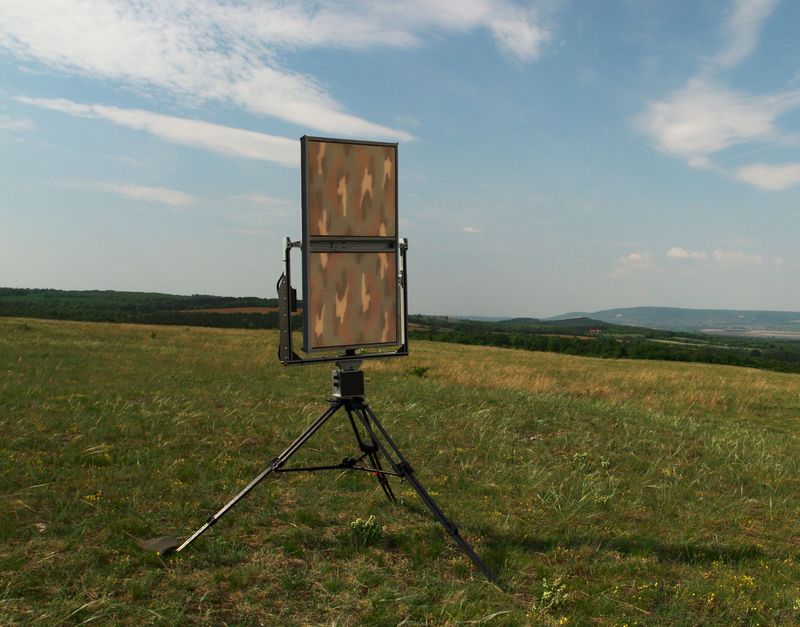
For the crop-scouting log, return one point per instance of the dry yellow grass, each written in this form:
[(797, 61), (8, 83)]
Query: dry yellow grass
[(692, 389)]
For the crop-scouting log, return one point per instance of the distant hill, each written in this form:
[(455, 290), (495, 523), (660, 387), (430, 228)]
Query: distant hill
[(482, 318), (723, 321), (572, 322)]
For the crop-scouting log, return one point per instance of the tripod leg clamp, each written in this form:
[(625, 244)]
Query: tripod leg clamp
[(404, 468)]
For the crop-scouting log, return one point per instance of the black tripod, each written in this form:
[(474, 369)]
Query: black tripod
[(348, 390)]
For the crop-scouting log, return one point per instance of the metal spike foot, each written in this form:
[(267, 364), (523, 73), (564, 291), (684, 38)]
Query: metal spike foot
[(163, 545)]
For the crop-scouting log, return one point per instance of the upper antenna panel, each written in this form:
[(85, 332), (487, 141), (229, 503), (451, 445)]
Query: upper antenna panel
[(350, 245), (350, 188)]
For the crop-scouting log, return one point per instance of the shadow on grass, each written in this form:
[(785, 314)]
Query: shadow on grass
[(497, 546)]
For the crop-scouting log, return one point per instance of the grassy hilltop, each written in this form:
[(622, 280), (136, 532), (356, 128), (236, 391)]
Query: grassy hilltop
[(601, 491)]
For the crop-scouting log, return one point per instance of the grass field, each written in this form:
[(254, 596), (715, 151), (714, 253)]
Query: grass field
[(601, 491)]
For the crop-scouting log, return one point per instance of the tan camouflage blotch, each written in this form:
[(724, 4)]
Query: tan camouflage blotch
[(351, 189), (352, 299)]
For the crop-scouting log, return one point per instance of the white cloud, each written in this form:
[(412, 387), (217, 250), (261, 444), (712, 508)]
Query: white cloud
[(260, 233), (700, 162), (196, 133), (210, 50), (702, 118), (736, 257), (15, 123), (633, 261), (260, 209), (676, 252), (149, 194), (471, 229), (742, 28), (722, 256), (634, 258), (268, 202), (517, 31), (770, 177)]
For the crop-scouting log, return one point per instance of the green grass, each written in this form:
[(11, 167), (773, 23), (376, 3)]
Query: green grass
[(600, 491)]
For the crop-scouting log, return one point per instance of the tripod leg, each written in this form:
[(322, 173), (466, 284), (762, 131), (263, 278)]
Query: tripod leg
[(387, 488), (274, 465), (373, 457), (405, 470)]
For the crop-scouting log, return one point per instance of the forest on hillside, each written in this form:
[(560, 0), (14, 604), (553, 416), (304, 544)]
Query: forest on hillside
[(577, 336), (139, 307)]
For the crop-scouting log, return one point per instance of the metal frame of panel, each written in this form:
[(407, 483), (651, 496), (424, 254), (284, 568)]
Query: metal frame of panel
[(287, 302), (339, 243)]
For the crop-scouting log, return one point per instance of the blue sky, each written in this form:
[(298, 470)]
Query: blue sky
[(554, 155)]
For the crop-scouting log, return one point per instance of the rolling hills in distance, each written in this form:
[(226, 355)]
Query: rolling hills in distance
[(100, 304), (756, 339), (716, 321)]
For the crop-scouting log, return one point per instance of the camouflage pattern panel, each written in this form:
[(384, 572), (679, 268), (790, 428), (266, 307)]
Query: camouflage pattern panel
[(352, 300), (351, 189)]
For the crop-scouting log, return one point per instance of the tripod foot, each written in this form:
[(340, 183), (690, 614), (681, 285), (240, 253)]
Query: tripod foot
[(163, 545)]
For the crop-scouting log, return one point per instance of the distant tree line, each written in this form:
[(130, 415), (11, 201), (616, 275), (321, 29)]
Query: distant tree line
[(578, 336), (597, 339), (138, 307)]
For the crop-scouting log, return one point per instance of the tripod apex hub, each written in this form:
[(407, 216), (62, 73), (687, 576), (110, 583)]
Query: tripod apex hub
[(346, 383)]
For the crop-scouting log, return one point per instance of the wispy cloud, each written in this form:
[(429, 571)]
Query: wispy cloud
[(149, 194), (260, 233), (279, 206), (676, 252), (704, 117), (736, 257), (228, 52), (259, 214), (770, 177), (637, 260), (516, 30), (741, 30), (471, 229), (15, 123), (723, 256), (779, 262), (222, 139)]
